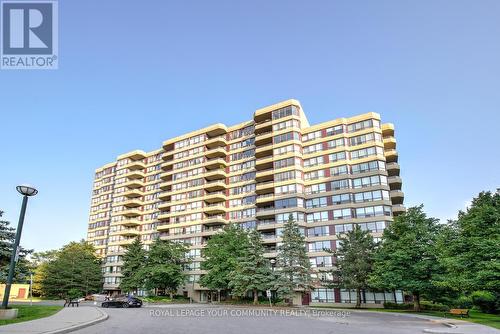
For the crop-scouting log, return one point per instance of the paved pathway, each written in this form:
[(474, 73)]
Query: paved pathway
[(64, 321)]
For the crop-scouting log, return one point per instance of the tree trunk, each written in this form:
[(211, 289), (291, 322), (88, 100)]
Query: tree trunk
[(416, 301), (255, 297), (358, 298)]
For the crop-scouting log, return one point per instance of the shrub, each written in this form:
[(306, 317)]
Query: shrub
[(396, 306), (485, 301), (429, 306), (463, 302)]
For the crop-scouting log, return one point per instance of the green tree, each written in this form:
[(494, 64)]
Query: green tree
[(354, 261), (253, 271), (23, 267), (75, 266), (39, 261), (164, 266), (294, 268), (221, 257), (469, 248), (134, 261), (406, 258)]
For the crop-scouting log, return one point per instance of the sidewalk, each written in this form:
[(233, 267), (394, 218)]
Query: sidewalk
[(65, 321)]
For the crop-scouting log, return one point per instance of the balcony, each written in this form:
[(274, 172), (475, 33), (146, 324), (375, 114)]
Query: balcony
[(129, 232), (213, 209), (397, 196), (392, 169), (266, 212), (166, 176), (265, 163), (125, 242), (395, 182), (165, 195), (264, 138), (164, 215), (135, 174), (264, 150), (130, 222), (136, 165), (214, 197), (216, 142), (215, 174), (264, 187), (391, 156), (216, 153), (215, 163), (132, 203), (266, 198), (398, 209), (215, 185), (164, 205), (167, 185), (131, 213), (389, 143), (162, 226), (388, 130), (133, 184), (215, 220), (264, 175)]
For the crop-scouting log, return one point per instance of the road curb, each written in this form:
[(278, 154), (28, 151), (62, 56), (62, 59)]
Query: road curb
[(104, 316), (436, 331)]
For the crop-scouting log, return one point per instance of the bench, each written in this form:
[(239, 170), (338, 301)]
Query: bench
[(71, 303), (458, 312)]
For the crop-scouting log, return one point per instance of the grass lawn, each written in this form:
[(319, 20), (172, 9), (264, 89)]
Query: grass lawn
[(27, 312), (486, 319)]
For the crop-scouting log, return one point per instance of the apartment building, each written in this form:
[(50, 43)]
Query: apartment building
[(329, 177)]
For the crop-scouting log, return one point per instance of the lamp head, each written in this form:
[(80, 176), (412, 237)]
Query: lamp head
[(27, 190)]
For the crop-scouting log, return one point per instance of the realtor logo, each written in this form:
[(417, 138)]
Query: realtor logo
[(29, 34)]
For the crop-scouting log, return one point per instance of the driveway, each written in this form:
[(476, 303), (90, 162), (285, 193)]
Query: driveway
[(201, 319)]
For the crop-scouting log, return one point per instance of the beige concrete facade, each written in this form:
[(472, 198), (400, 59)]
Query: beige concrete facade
[(329, 176)]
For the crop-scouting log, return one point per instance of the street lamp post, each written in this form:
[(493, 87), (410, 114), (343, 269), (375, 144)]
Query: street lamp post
[(26, 191)]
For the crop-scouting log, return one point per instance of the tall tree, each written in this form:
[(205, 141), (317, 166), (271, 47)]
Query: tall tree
[(75, 267), (253, 271), (469, 247), (39, 261), (23, 267), (354, 261), (406, 258), (294, 268), (221, 257), (164, 266), (134, 261)]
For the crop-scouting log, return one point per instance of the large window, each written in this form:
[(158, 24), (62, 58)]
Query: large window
[(322, 295)]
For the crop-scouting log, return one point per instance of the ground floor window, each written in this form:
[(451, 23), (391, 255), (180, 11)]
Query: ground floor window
[(371, 297), (322, 295)]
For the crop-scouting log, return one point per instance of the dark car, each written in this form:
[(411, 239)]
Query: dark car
[(124, 302)]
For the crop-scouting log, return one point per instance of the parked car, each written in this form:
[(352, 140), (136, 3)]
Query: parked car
[(124, 302)]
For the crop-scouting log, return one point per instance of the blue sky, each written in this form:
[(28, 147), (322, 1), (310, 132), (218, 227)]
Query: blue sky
[(134, 73)]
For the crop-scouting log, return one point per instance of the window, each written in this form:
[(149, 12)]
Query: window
[(335, 130), (366, 152), (316, 202), (336, 156), (318, 231), (373, 211), (284, 112), (340, 184), (368, 181), (311, 136), (368, 167), (369, 196), (341, 199), (313, 161), (363, 125), (317, 217), (321, 261), (316, 188), (322, 295), (319, 246), (339, 170), (343, 228), (342, 214)]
